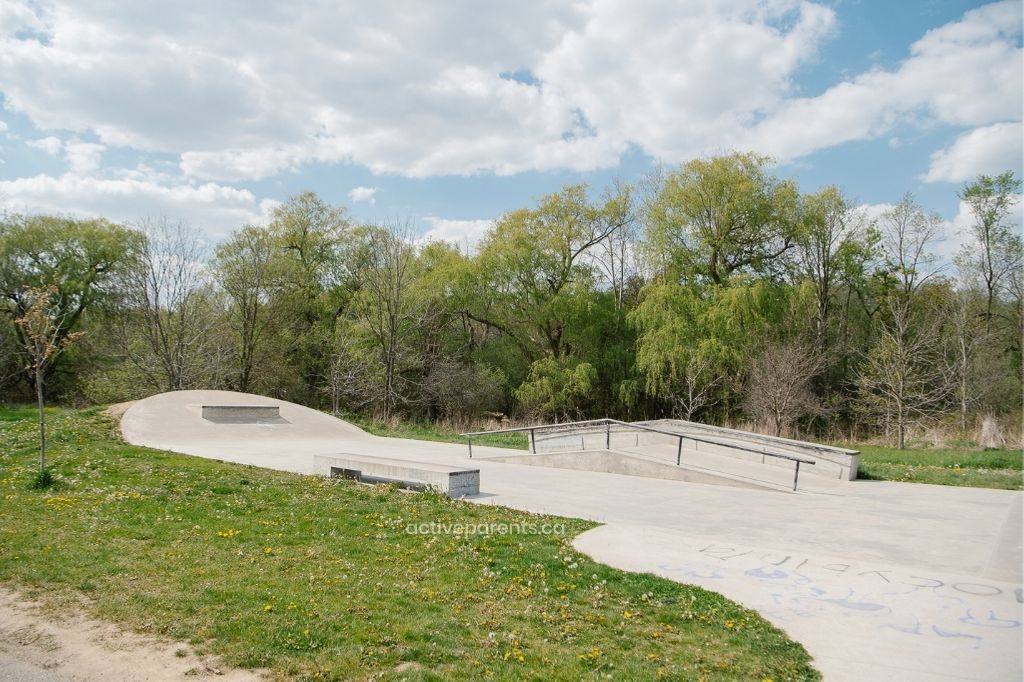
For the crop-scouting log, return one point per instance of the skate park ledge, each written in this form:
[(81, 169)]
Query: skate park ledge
[(241, 414), (450, 480)]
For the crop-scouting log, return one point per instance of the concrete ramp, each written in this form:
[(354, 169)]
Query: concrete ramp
[(219, 423), (700, 446), (829, 461), (627, 464)]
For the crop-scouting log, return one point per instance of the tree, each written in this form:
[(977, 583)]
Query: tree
[(308, 237), (246, 270), (698, 382), (780, 384), (907, 235), (537, 266), (557, 388), (618, 257), (694, 339), (43, 327), (678, 360), (721, 215), (976, 373), (167, 302), (384, 306), (904, 375), (81, 259), (995, 254), (829, 230)]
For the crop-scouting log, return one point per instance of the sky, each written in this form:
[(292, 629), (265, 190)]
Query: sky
[(447, 114)]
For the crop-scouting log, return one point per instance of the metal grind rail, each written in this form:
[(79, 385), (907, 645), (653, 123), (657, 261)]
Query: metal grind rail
[(607, 423)]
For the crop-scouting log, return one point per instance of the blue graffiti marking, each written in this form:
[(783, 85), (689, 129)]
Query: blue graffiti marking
[(910, 630), (775, 574), (992, 621), (942, 633)]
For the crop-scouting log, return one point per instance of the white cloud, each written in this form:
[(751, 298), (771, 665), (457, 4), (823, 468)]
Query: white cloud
[(83, 157), (465, 234), (216, 208), (988, 149), (966, 73), (245, 95), (51, 145), (360, 194)]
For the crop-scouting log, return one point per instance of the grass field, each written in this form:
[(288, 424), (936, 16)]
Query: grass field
[(320, 579), (974, 468)]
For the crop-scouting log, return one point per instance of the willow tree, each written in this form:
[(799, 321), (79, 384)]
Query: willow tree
[(714, 217)]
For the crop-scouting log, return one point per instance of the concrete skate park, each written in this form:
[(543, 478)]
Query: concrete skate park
[(878, 580)]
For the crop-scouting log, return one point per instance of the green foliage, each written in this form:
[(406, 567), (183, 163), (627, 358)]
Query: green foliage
[(557, 388), (42, 479), (79, 260), (632, 302), (317, 578), (694, 338), (722, 215)]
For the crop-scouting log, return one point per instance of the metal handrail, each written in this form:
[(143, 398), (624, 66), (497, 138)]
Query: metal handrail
[(607, 422)]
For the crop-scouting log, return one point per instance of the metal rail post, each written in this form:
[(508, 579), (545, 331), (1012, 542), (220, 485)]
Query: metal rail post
[(533, 443), (679, 452), (796, 474), (607, 436), (469, 440)]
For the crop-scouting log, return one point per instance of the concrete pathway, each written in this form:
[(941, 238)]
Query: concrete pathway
[(878, 580)]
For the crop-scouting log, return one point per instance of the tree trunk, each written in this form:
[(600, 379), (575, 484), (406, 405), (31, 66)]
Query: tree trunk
[(963, 385), (900, 431), (42, 419)]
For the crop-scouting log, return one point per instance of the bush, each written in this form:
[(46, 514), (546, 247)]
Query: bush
[(43, 480)]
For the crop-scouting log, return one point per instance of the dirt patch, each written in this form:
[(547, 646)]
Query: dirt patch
[(72, 646), (118, 409)]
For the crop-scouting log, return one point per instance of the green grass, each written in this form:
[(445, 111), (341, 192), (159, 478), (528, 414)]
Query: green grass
[(436, 432), (960, 467), (314, 578)]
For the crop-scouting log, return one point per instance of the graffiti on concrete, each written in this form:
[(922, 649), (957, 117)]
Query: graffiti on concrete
[(962, 612)]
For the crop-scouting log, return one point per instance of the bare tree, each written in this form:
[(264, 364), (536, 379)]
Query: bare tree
[(385, 306), (908, 233), (971, 344), (45, 336), (780, 384), (168, 307), (618, 259), (996, 253), (696, 386), (349, 379), (904, 374)]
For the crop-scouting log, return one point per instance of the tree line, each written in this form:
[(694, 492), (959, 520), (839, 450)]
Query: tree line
[(713, 291)]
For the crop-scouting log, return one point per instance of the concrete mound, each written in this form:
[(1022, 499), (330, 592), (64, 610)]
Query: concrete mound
[(175, 421)]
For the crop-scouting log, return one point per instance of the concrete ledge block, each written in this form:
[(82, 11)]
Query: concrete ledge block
[(241, 414), (453, 481)]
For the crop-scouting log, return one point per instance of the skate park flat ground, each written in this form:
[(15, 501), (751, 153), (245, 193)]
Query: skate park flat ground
[(879, 580)]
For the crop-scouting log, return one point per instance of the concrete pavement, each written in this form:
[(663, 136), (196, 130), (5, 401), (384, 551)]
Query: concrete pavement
[(878, 580)]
